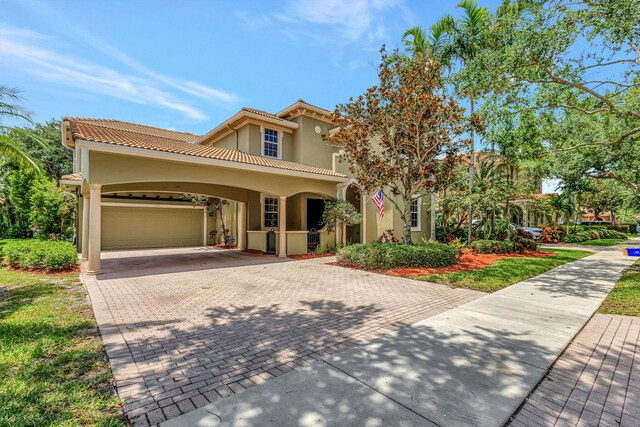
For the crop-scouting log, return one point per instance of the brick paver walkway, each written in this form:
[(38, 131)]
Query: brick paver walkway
[(596, 381), (186, 327)]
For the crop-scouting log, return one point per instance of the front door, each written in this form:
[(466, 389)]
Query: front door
[(315, 207)]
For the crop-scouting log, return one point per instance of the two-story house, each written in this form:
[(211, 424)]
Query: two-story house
[(135, 182)]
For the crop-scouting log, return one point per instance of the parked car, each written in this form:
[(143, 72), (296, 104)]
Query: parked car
[(535, 232)]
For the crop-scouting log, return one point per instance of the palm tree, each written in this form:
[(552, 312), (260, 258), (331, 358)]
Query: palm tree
[(12, 110), (455, 42)]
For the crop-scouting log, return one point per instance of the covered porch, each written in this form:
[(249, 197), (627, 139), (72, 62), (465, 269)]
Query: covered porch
[(134, 200)]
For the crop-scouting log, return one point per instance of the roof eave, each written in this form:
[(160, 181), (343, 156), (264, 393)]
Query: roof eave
[(164, 155), (245, 114), (67, 135)]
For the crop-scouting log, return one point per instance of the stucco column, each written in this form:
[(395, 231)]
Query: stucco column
[(95, 228), (242, 226), (282, 223), (363, 211), (85, 227)]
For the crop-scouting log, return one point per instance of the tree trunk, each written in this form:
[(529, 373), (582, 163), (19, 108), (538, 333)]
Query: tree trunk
[(406, 222), (407, 234), (471, 174)]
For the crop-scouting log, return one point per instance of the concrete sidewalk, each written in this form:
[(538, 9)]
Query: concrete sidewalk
[(473, 365)]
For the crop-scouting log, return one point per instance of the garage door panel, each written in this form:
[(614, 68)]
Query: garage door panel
[(152, 227)]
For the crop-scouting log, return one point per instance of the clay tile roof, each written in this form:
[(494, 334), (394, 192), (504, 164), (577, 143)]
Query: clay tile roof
[(139, 136), (287, 110), (262, 113), (71, 177), (140, 129)]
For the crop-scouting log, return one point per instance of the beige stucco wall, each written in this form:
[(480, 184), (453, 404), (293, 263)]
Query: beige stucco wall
[(296, 243), (231, 141), (118, 171), (308, 146), (391, 220), (295, 205)]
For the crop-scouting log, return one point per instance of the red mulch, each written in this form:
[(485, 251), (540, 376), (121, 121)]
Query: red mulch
[(69, 270), (469, 260), (309, 256), (222, 245)]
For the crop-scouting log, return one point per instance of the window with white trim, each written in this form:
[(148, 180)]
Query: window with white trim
[(270, 212), (415, 214), (270, 143)]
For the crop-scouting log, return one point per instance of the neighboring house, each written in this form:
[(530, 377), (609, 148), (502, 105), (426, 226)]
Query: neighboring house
[(275, 170), (604, 217)]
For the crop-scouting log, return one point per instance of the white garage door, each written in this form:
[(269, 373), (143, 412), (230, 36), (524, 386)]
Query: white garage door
[(126, 227)]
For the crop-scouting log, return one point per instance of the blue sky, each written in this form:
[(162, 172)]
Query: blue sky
[(189, 65)]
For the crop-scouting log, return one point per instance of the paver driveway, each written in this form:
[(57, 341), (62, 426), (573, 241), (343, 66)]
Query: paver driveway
[(186, 327)]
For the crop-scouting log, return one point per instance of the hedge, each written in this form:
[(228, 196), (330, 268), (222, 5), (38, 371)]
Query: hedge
[(40, 254), (623, 228), (388, 255), (583, 236)]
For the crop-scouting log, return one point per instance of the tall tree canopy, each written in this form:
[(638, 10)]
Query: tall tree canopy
[(403, 132), (569, 72), (455, 43)]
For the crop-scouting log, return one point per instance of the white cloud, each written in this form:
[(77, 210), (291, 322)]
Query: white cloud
[(41, 57), (354, 20)]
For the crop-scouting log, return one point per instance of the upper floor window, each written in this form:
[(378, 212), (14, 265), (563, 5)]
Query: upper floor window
[(270, 143), (270, 212), (415, 214)]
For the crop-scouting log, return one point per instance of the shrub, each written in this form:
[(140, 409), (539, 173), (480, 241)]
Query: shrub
[(458, 244), (388, 237), (496, 246), (388, 255), (583, 236), (40, 254), (553, 233)]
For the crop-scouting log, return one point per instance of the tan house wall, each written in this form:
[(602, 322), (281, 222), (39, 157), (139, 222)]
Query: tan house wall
[(231, 141), (308, 146), (129, 171)]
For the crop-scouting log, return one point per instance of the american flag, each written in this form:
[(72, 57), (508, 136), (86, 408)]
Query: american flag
[(378, 199)]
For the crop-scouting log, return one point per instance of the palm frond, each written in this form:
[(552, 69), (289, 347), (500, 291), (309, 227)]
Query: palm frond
[(9, 99), (11, 150)]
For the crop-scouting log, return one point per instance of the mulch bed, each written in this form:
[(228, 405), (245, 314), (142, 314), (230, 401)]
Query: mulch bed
[(469, 260), (68, 270)]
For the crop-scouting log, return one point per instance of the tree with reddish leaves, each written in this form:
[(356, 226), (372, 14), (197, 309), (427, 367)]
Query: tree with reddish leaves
[(403, 134)]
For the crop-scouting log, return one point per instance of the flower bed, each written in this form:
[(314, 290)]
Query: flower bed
[(371, 256), (517, 245), (469, 260)]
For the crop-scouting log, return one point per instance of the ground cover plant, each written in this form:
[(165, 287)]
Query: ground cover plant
[(584, 236), (625, 296), (40, 254), (505, 272), (52, 366), (376, 255), (602, 242)]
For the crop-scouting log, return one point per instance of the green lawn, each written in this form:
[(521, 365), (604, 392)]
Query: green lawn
[(505, 272), (625, 296), (602, 242), (52, 368)]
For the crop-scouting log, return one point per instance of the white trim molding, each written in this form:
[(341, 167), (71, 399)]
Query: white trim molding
[(262, 211), (280, 136), (418, 201)]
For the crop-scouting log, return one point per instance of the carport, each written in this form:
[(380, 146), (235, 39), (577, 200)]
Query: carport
[(134, 185)]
